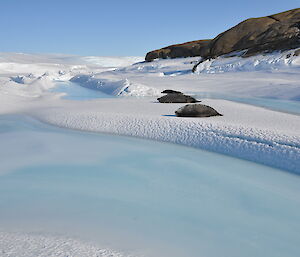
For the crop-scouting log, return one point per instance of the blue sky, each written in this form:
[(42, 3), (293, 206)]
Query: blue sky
[(120, 28)]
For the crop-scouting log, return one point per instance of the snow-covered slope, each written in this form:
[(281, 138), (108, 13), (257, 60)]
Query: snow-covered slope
[(32, 74), (272, 76), (267, 62)]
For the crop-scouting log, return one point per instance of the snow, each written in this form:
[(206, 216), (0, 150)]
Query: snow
[(236, 189), (24, 245), (274, 76), (266, 62), (121, 87), (245, 131)]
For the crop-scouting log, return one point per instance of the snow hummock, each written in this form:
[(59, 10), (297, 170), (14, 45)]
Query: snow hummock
[(40, 245), (121, 87), (244, 131)]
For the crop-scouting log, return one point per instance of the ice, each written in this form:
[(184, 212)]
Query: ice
[(73, 91), (288, 106), (138, 197), (65, 192)]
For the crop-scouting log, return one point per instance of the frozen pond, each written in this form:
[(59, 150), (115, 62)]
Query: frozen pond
[(150, 198), (288, 106)]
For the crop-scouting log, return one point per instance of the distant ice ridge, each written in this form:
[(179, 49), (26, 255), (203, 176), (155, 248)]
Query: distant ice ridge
[(36, 245), (34, 74), (263, 62), (110, 61), (122, 87), (42, 59)]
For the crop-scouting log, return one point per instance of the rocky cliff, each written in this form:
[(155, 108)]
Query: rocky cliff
[(188, 49), (265, 34)]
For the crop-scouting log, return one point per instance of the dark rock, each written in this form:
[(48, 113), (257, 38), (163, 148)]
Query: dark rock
[(170, 91), (256, 35), (276, 32), (196, 110), (188, 49), (177, 98)]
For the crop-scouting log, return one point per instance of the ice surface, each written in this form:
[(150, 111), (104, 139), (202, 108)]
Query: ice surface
[(283, 105), (135, 196)]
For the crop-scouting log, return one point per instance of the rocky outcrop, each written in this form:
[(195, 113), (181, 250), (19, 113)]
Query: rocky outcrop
[(196, 110), (176, 97), (266, 34), (188, 49), (276, 32)]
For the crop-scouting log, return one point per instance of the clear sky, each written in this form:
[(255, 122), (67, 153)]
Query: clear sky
[(120, 28)]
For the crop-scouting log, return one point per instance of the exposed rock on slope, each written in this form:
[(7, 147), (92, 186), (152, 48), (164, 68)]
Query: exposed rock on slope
[(266, 34), (188, 49), (276, 32)]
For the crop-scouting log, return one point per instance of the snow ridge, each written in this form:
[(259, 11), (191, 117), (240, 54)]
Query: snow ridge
[(268, 144), (267, 62), (122, 87)]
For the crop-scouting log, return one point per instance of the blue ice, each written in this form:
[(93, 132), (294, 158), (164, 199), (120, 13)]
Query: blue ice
[(288, 106), (142, 196)]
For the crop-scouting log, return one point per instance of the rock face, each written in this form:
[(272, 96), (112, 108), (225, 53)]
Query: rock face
[(196, 110), (188, 49), (276, 32), (176, 97), (266, 34)]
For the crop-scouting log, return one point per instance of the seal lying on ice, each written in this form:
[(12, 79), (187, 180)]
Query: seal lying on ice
[(175, 97), (196, 110), (170, 91)]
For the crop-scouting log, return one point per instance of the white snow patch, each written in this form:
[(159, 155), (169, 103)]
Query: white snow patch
[(273, 61), (39, 245), (109, 61), (121, 87)]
